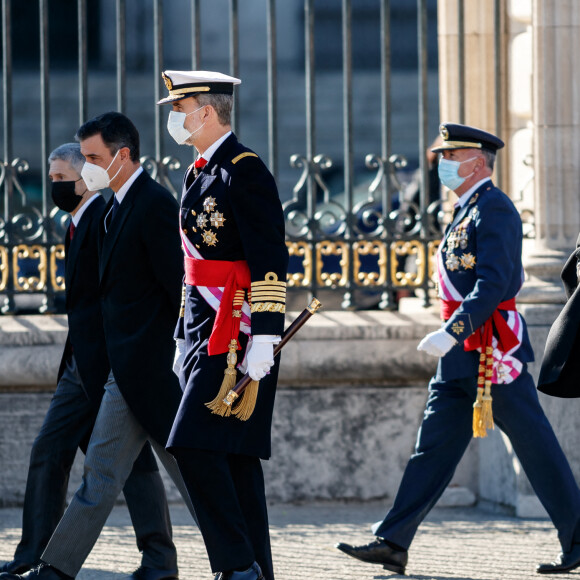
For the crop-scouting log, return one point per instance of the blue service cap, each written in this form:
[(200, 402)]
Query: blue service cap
[(456, 136)]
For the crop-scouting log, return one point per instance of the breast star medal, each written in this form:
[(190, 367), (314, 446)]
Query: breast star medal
[(209, 238), (467, 261), (452, 262), (209, 204)]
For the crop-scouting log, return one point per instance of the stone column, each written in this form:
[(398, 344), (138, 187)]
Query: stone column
[(479, 69), (556, 159)]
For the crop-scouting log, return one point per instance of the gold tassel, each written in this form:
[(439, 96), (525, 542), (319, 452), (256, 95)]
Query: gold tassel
[(486, 414), (486, 411), (217, 406), (482, 410), (478, 431), (247, 403)]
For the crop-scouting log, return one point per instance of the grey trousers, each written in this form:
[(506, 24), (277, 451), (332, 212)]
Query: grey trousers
[(115, 443), (66, 427)]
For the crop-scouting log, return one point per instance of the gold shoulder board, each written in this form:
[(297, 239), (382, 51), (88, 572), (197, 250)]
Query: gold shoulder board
[(242, 155)]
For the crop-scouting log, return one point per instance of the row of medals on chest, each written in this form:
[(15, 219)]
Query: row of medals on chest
[(216, 219), (458, 239)]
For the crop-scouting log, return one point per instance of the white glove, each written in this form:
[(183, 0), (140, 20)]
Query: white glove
[(437, 343), (260, 357), (179, 355)]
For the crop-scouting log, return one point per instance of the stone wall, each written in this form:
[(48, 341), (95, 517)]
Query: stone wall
[(351, 396)]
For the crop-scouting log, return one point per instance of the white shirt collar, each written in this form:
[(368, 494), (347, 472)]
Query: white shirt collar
[(465, 197), (120, 195), (77, 217), (214, 146)]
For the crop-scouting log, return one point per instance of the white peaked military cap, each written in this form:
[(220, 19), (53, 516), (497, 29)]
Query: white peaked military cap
[(188, 83)]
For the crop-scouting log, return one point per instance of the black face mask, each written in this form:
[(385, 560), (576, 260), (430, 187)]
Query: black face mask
[(64, 196)]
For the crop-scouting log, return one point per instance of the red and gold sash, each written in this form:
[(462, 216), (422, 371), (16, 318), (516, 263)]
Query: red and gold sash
[(482, 338)]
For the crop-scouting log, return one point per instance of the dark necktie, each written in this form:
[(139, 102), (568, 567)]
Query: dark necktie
[(456, 209), (71, 231), (111, 214), (115, 207)]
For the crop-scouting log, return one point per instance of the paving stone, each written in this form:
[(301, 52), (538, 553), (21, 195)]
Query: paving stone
[(453, 543)]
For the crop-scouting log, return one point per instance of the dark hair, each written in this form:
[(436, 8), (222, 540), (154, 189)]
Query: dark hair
[(222, 104), (116, 131)]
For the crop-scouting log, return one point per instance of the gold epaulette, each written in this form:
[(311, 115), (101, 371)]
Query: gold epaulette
[(242, 155), (268, 295)]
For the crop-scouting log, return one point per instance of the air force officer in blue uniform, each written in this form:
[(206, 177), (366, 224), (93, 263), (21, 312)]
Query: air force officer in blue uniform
[(483, 349)]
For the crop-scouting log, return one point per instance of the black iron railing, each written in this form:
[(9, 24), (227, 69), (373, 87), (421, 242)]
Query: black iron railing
[(377, 233)]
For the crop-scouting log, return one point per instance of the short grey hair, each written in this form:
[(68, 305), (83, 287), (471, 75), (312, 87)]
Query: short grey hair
[(489, 157), (71, 153), (222, 104)]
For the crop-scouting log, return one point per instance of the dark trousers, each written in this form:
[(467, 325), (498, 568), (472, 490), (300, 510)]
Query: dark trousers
[(446, 431), (66, 427), (227, 492)]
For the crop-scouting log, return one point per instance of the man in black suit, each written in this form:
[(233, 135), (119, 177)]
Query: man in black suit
[(232, 230), (83, 372), (560, 365), (140, 277)]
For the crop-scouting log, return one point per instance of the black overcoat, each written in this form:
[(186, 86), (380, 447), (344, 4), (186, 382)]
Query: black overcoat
[(231, 212), (141, 273), (86, 336), (560, 371)]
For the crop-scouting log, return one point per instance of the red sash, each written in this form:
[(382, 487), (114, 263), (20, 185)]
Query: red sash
[(234, 277), (505, 336)]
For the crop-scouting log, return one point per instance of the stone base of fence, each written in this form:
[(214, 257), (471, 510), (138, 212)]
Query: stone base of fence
[(351, 396)]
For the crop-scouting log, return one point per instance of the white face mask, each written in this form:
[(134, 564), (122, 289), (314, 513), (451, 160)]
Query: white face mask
[(175, 126), (96, 177), (448, 172)]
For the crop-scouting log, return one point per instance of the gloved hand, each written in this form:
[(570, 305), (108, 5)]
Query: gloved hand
[(437, 343), (260, 357), (179, 355)]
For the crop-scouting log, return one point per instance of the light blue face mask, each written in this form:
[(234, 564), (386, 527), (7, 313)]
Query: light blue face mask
[(449, 172)]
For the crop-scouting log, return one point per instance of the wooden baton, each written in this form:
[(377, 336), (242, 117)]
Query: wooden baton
[(288, 334)]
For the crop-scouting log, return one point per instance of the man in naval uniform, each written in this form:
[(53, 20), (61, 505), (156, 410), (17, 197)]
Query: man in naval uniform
[(483, 350), (232, 231)]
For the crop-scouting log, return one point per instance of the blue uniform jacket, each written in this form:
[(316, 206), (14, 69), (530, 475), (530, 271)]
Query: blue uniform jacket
[(482, 257)]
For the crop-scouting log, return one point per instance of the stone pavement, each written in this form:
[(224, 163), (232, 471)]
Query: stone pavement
[(453, 543)]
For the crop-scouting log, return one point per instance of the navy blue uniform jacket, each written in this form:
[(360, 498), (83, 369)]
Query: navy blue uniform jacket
[(486, 270), (248, 224), (141, 269)]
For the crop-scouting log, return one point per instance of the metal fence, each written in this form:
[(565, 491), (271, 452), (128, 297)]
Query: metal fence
[(374, 246)]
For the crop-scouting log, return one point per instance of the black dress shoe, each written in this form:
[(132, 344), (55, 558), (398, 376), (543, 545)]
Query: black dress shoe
[(16, 567), (565, 562), (254, 572), (377, 552), (40, 572), (144, 573)]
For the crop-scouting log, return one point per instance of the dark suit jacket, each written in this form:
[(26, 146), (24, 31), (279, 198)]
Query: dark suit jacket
[(560, 371), (231, 212), (141, 272), (86, 336)]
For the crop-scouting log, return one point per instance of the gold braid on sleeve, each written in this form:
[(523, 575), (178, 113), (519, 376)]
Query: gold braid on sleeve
[(268, 295)]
